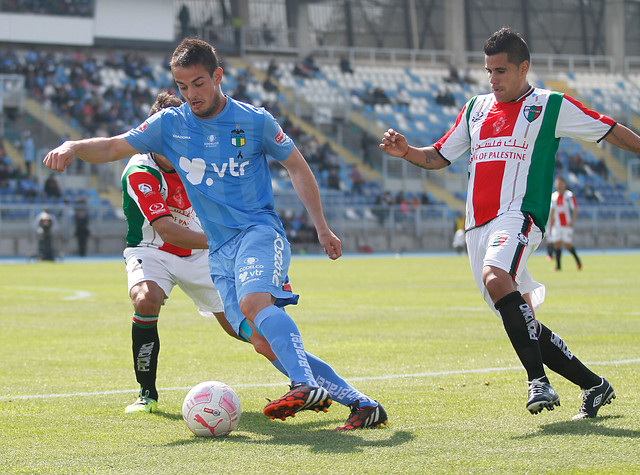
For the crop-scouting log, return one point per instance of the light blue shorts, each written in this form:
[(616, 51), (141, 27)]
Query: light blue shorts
[(256, 260)]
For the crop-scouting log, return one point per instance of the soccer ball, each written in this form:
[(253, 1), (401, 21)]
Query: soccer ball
[(211, 409)]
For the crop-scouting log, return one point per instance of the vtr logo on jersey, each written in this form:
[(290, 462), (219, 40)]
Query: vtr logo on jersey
[(237, 138), (531, 113), (197, 167)]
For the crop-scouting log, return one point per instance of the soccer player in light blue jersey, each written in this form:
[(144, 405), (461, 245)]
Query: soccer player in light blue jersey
[(219, 148)]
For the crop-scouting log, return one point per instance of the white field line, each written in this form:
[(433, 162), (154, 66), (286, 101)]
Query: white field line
[(264, 385), (76, 294)]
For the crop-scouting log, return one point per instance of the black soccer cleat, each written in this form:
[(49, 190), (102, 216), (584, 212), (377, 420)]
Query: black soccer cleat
[(363, 417), (594, 398), (300, 397), (541, 396)]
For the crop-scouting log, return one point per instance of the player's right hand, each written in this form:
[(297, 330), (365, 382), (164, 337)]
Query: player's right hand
[(58, 158), (394, 143)]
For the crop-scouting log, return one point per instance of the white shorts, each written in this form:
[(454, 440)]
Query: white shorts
[(190, 273), (562, 234), (506, 242)]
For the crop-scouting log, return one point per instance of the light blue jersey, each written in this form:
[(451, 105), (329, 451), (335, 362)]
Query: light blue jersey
[(225, 159)]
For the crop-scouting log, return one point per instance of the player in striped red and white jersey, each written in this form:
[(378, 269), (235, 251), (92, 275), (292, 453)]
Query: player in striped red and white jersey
[(511, 137), (564, 211), (165, 247)]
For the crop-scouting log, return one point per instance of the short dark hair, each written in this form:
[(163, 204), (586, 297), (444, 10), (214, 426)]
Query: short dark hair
[(508, 41), (192, 51), (164, 100)]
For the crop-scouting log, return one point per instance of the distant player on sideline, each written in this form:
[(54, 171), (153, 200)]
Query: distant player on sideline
[(512, 136), (564, 211), (219, 146)]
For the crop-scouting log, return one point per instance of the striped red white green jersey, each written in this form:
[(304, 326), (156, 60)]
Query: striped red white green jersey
[(149, 193), (512, 149), (563, 208)]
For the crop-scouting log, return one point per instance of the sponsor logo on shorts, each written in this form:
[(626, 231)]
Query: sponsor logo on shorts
[(499, 240), (278, 246), (250, 260), (524, 240)]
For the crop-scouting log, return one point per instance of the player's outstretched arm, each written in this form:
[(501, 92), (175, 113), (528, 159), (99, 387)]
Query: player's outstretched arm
[(306, 187), (92, 150), (624, 138), (177, 235), (396, 145)]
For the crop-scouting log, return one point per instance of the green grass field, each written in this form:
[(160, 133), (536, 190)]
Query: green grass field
[(412, 332)]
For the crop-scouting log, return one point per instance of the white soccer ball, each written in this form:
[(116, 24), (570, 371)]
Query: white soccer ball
[(211, 409)]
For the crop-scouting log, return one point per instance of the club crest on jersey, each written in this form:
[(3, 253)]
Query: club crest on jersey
[(498, 241), (237, 138), (145, 188), (531, 113)]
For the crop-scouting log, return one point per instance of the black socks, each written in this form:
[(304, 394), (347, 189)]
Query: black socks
[(558, 358), (146, 347), (519, 322)]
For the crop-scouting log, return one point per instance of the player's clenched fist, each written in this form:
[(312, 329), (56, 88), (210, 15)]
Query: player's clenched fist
[(58, 158), (394, 143)]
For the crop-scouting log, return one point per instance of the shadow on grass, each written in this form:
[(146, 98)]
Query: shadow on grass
[(317, 434), (583, 427), (168, 415)]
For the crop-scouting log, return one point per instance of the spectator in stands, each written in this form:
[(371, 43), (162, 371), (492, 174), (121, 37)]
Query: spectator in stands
[(184, 17), (333, 180), (576, 166), (8, 170), (345, 65), (267, 35), (591, 195), (445, 98), (310, 63), (28, 151), (468, 78), (368, 96), (403, 99), (273, 107), (29, 188), (52, 188), (269, 86), (357, 180), (601, 169), (454, 75), (383, 203), (365, 146), (240, 92), (380, 97), (272, 69), (424, 198), (301, 70)]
